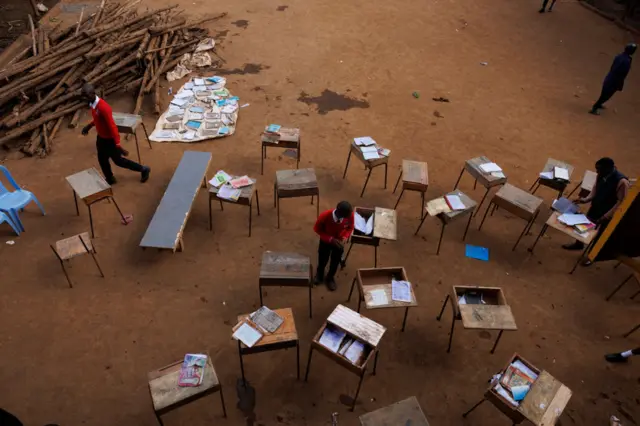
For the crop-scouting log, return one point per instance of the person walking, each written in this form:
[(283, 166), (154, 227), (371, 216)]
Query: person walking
[(108, 139), (614, 81), (622, 356), (334, 227), (544, 5)]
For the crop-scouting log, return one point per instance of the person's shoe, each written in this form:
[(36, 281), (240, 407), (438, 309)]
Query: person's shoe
[(542, 10), (550, 9), (145, 174), (615, 358), (594, 111), (576, 245), (586, 263), (318, 279), (331, 284), (111, 180)]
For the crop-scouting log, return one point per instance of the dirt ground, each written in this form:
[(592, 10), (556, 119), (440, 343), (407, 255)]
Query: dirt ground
[(337, 70)]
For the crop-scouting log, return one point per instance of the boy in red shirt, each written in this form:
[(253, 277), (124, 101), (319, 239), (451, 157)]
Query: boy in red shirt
[(108, 141), (334, 227)]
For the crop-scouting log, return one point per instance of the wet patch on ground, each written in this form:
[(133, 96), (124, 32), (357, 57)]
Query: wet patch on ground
[(246, 69), (332, 101)]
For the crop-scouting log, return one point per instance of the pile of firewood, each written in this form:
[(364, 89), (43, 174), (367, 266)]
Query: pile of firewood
[(116, 49)]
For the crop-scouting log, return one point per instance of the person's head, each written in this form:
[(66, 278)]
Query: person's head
[(605, 166), (88, 92), (343, 210), (630, 48)]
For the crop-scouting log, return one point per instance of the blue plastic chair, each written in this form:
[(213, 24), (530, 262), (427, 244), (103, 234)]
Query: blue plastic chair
[(5, 218), (13, 201)]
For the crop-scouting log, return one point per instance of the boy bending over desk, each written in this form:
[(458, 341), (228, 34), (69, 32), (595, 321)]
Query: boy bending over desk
[(334, 227)]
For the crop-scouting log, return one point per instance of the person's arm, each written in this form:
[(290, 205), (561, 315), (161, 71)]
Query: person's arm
[(85, 129), (319, 228), (107, 115), (621, 192), (589, 197), (348, 230), (620, 69)]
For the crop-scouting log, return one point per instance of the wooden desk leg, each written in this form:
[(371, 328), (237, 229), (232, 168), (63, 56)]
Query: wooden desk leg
[(306, 374), (250, 214), (260, 288), (464, 236), (397, 182), (482, 201), (485, 215), (298, 358), (244, 382), (344, 175), (473, 408), (124, 221), (542, 232), (91, 221), (92, 255), (422, 205), (75, 200), (453, 324), (398, 202), (221, 206), (146, 134), (440, 240), (536, 182), (404, 321), (375, 256), (375, 363), (353, 284), (446, 299), (366, 181), (299, 155), (386, 167), (344, 261), (355, 398), (258, 202), (618, 288), (210, 219), (574, 189), (475, 184), (627, 334), (159, 419), (318, 204), (62, 264), (497, 340), (278, 211), (262, 157), (360, 297), (423, 215), (524, 231), (584, 252), (310, 304), (459, 177), (224, 409), (135, 135)]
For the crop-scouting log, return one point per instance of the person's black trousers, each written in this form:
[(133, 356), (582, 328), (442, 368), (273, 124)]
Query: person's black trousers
[(544, 4), (606, 94), (107, 149), (328, 252)]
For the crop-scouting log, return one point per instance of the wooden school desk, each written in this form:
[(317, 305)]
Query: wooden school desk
[(385, 227), (486, 179), (71, 247), (166, 395), (447, 218), (555, 184), (368, 164), (128, 124), (495, 314), (517, 202), (285, 270), (284, 337), (246, 199), (634, 265), (587, 239), (91, 187), (375, 279), (586, 184), (286, 138), (415, 177), (293, 184), (542, 406), (403, 413), (358, 327)]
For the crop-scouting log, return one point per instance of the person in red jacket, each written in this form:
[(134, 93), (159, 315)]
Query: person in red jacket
[(334, 227), (108, 140)]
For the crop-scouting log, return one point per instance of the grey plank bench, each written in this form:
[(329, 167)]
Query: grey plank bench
[(168, 222)]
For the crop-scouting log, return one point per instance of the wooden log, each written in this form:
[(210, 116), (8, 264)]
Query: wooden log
[(142, 91), (127, 60), (47, 42), (12, 134), (36, 12), (174, 46), (33, 36), (163, 44), (57, 61), (120, 46), (55, 129), (98, 16), (156, 98), (165, 28), (143, 45), (80, 20), (158, 71), (29, 147), (102, 31), (20, 56), (74, 120), (104, 65)]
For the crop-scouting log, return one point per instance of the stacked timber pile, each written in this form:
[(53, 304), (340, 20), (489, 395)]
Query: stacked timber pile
[(116, 49)]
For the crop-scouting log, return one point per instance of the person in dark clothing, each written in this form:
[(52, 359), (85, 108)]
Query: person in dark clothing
[(614, 81), (607, 194), (622, 356), (108, 140), (544, 5), (334, 227)]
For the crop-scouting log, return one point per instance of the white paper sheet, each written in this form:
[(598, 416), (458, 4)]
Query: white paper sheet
[(355, 351), (561, 173), (184, 94), (219, 178), (363, 225), (189, 135), (455, 202), (188, 86), (164, 134), (228, 192), (180, 102), (371, 155), (378, 297), (401, 291), (546, 175), (198, 82), (499, 175), (364, 141), (573, 219), (490, 167), (247, 335), (368, 149), (331, 338)]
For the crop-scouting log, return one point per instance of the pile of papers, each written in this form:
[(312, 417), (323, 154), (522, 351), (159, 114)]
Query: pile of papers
[(370, 149), (363, 225), (559, 173), (202, 109), (493, 169), (338, 342), (259, 323), (192, 370), (228, 192), (564, 205), (437, 206), (514, 384), (471, 298), (579, 222)]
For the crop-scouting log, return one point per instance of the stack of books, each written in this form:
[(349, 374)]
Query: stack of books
[(337, 341)]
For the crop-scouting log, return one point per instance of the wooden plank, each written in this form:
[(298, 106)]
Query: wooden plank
[(170, 218), (486, 179), (296, 180), (415, 172), (72, 247), (487, 317), (569, 230), (385, 224), (127, 123), (87, 183), (355, 324), (517, 201), (165, 392), (545, 401), (403, 413), (283, 266), (285, 333)]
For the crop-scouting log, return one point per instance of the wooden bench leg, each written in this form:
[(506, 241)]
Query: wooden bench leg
[(92, 255), (404, 321), (353, 284), (627, 334), (453, 325), (306, 374), (250, 214), (424, 216), (258, 202), (440, 240), (355, 398), (386, 167), (574, 189), (124, 221), (458, 181), (485, 215), (210, 218), (524, 231), (93, 235), (366, 181), (398, 202), (464, 236), (375, 363), (224, 409), (444, 305), (481, 201), (146, 134), (344, 175), (397, 182), (159, 419), (497, 340), (135, 135), (298, 359), (244, 382), (542, 232), (75, 200), (62, 264)]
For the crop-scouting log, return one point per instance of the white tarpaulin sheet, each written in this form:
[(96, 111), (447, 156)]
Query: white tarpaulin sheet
[(202, 109)]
